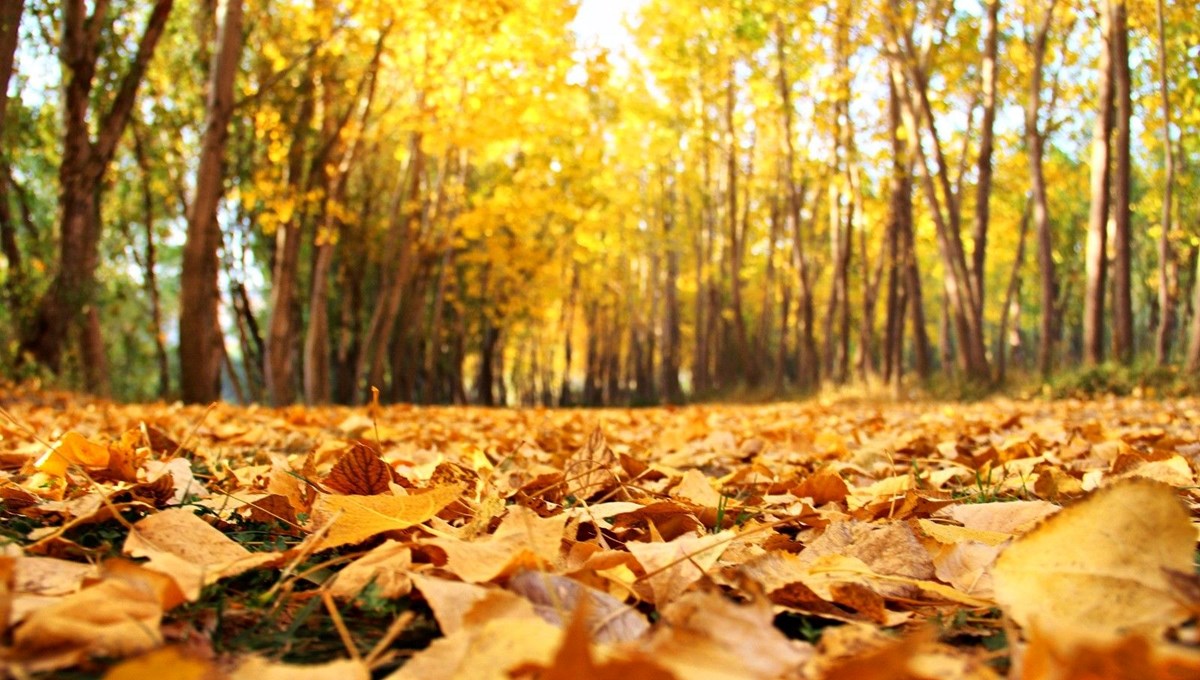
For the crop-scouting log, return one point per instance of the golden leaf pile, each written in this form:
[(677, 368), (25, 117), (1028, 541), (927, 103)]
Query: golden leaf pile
[(818, 540)]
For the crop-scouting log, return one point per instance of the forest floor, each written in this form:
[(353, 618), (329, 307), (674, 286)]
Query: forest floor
[(823, 539)]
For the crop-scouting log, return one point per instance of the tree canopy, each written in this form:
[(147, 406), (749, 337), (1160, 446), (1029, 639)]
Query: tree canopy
[(453, 201)]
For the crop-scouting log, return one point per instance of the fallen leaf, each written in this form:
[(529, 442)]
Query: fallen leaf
[(456, 605), (356, 518), (523, 540), (165, 663), (705, 635), (558, 599), (1100, 564), (671, 568), (576, 657), (257, 668), (386, 567), (189, 550), (484, 652), (72, 449), (360, 471), (115, 617)]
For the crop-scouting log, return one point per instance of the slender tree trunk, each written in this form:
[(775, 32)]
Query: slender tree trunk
[(67, 309), (1035, 142), (285, 284), (808, 373), (1122, 274), (1097, 237), (743, 362), (201, 342), (150, 265), (911, 82), (1166, 301), (671, 389), (1010, 295), (983, 190), (403, 233), (10, 25)]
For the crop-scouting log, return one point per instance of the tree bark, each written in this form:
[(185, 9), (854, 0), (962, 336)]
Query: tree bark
[(281, 328), (10, 29), (1166, 298), (1035, 142), (983, 190), (149, 264), (1122, 255), (201, 341), (808, 370), (1097, 236), (1010, 294), (671, 389), (911, 81), (67, 308)]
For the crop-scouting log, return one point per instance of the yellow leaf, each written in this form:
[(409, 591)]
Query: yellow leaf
[(357, 518), (75, 449), (167, 663), (1102, 564)]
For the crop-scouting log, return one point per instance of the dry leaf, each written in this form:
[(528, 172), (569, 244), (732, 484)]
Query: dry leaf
[(485, 652), (704, 635), (190, 550), (356, 518), (523, 540), (361, 472), (116, 617), (256, 668), (558, 599), (576, 658), (72, 449), (1100, 564), (386, 567), (673, 567), (589, 470), (165, 663), (456, 605)]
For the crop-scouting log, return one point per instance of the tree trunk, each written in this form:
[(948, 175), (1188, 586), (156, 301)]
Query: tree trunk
[(1010, 295), (983, 190), (1097, 237), (149, 264), (281, 328), (743, 363), (912, 83), (201, 341), (10, 30), (1122, 274), (1035, 142), (672, 391), (67, 308), (808, 371), (405, 218), (1166, 299)]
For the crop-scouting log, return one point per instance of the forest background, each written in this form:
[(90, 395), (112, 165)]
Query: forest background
[(476, 201)]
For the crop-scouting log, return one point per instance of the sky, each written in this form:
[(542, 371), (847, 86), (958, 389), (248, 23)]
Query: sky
[(599, 21)]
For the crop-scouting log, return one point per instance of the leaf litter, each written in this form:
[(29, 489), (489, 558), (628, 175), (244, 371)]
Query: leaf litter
[(827, 539)]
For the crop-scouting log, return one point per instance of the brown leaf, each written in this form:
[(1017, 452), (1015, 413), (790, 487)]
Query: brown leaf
[(360, 472)]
